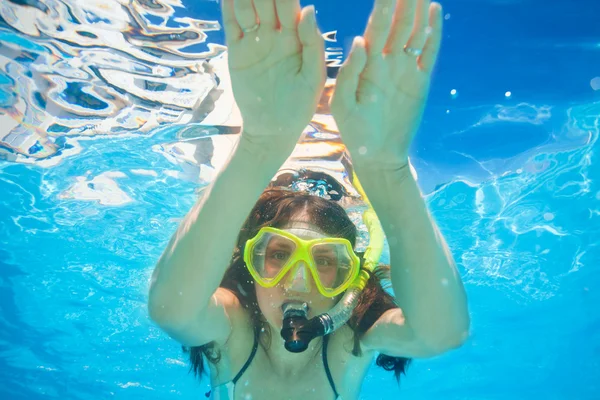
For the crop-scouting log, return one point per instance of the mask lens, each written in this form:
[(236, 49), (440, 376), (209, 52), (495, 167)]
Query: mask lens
[(333, 264), (271, 254)]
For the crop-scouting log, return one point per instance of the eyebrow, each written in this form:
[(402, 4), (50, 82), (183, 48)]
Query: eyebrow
[(279, 239), (324, 251)]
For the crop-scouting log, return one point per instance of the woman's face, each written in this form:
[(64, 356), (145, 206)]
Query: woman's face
[(297, 286)]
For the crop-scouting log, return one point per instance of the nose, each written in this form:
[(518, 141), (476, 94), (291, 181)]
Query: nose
[(298, 280)]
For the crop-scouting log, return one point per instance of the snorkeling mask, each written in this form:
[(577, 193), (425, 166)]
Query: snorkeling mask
[(274, 253)]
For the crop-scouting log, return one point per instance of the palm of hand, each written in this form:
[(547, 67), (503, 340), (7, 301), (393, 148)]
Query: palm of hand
[(381, 90), (265, 74), (389, 104), (277, 70)]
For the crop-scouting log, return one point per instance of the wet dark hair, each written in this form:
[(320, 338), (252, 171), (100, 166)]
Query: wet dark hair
[(275, 207)]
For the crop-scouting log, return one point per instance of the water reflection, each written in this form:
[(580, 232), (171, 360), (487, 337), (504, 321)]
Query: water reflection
[(77, 70)]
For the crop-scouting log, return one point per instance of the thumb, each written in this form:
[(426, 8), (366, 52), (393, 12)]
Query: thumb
[(313, 46), (348, 77)]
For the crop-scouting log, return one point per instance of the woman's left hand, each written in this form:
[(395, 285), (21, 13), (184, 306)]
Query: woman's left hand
[(381, 89)]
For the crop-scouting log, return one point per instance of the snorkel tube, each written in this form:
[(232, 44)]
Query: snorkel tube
[(297, 329)]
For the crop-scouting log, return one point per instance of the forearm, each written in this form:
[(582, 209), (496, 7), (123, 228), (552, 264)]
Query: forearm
[(194, 262), (424, 277)]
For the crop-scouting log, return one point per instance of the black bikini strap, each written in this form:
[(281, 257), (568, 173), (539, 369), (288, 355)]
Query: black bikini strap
[(249, 360), (325, 340)]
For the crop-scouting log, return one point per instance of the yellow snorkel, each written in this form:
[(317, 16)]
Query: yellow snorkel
[(376, 237), (297, 330)]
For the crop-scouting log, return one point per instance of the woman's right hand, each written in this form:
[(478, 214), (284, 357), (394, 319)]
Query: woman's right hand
[(277, 70)]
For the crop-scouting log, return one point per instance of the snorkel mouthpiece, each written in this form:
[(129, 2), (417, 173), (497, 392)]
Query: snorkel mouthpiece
[(298, 330)]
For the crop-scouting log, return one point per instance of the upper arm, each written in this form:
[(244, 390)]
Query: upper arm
[(392, 336), (211, 324)]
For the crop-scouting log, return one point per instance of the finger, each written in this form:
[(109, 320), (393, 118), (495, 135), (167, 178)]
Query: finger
[(287, 13), (313, 46), (432, 46), (348, 78), (232, 29), (266, 13), (244, 13), (403, 23), (418, 35), (379, 25)]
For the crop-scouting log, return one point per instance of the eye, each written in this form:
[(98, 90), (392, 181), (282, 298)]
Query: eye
[(324, 261), (280, 255)]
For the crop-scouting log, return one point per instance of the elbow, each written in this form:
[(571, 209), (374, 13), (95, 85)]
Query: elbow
[(157, 304), (447, 339), (157, 310), (452, 342), (163, 310), (170, 312), (440, 346), (167, 317), (454, 333)]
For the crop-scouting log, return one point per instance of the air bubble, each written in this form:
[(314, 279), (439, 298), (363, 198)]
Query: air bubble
[(548, 216), (508, 94), (362, 150), (444, 282), (454, 93), (595, 83)]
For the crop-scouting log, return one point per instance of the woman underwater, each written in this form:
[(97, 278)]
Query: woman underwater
[(277, 300)]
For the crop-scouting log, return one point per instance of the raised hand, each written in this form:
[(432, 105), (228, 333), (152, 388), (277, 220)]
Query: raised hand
[(277, 66), (381, 89)]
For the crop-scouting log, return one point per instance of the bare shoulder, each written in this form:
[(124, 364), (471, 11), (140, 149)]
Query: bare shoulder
[(341, 343), (235, 349), (392, 336), (348, 371)]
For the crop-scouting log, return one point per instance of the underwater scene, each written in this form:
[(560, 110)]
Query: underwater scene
[(116, 116)]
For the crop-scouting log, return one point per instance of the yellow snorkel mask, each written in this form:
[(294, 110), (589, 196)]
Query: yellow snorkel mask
[(274, 254)]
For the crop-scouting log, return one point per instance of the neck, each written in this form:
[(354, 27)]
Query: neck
[(286, 363)]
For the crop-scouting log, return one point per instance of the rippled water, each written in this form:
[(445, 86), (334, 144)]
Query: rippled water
[(114, 115)]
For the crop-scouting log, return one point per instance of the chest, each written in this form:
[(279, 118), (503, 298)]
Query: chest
[(261, 381)]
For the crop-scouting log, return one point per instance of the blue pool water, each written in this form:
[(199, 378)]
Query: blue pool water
[(108, 131)]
